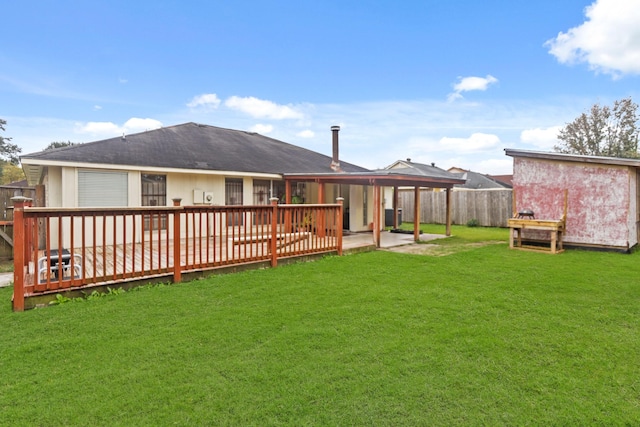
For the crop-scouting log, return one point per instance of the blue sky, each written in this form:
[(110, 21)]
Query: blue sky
[(451, 82)]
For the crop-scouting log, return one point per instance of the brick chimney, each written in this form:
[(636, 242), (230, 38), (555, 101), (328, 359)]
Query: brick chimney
[(335, 160)]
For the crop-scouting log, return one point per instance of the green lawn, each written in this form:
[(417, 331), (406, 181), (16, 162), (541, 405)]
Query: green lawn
[(483, 336)]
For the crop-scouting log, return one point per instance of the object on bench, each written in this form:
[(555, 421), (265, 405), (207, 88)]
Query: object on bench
[(58, 264), (526, 213)]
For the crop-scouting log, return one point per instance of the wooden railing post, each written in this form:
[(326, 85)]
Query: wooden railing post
[(416, 213), (177, 247), (19, 251), (377, 207), (339, 224), (448, 213), (273, 243)]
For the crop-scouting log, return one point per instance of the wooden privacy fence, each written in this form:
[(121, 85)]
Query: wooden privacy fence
[(7, 192), (491, 208), (89, 247)]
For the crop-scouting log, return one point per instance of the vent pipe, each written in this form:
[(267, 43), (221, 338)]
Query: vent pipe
[(335, 160)]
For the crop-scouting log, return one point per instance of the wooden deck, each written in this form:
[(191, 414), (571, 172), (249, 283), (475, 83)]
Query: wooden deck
[(121, 262)]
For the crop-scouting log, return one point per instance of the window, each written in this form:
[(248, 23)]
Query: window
[(101, 188), (154, 190), (264, 189), (261, 190), (233, 196), (233, 191), (279, 190), (154, 193)]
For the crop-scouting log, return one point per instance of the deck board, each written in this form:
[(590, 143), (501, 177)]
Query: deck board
[(116, 262)]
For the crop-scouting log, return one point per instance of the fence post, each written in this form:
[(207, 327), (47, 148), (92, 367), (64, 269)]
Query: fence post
[(19, 250), (339, 224), (273, 243), (177, 247)]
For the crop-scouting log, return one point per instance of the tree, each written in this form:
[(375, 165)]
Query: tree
[(11, 173), (609, 132), (59, 144), (8, 151)]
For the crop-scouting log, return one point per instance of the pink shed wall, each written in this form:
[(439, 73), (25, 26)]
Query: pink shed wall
[(601, 206)]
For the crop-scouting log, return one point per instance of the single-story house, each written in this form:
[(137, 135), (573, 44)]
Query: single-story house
[(602, 196), (203, 164)]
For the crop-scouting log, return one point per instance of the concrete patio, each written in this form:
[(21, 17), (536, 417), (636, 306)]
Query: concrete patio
[(358, 241)]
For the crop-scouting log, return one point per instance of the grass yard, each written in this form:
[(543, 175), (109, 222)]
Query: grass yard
[(481, 336)]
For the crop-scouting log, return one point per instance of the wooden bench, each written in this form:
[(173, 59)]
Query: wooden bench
[(284, 239), (554, 227), (525, 220)]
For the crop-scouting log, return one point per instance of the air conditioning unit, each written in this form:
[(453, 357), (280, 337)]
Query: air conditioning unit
[(208, 197), (198, 197)]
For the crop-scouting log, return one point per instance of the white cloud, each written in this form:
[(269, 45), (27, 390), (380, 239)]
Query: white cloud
[(609, 40), (97, 107), (207, 100), (476, 142), (135, 124), (109, 129), (260, 108), (97, 128), (543, 139), (494, 166), (306, 134), (373, 134), (262, 129), (466, 84)]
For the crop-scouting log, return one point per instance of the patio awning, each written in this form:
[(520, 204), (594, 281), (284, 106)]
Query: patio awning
[(400, 177), (384, 178)]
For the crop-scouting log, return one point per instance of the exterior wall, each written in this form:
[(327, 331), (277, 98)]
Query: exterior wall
[(600, 210), (53, 187), (61, 185), (356, 208), (387, 198), (181, 185)]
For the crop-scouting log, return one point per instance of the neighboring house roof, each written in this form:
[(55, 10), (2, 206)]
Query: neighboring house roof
[(505, 179), (407, 167), (477, 181), (191, 146)]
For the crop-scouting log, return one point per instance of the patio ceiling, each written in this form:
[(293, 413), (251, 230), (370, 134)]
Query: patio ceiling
[(384, 178)]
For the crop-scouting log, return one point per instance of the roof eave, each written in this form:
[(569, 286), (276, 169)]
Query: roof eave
[(572, 157), (377, 179)]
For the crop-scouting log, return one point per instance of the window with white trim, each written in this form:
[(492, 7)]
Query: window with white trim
[(102, 188), (154, 193)]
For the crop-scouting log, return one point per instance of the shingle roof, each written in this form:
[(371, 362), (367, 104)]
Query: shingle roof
[(198, 147), (420, 169), (479, 181)]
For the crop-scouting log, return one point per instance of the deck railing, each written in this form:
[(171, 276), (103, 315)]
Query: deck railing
[(60, 249)]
